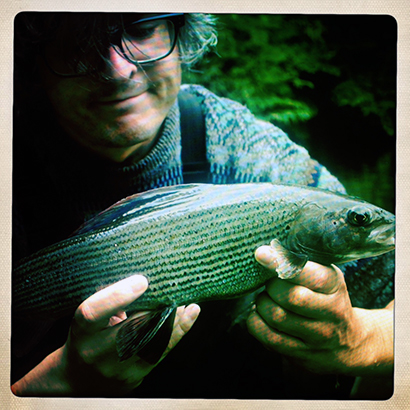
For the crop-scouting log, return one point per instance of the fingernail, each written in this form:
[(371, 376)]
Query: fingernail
[(193, 311), (138, 283), (266, 257)]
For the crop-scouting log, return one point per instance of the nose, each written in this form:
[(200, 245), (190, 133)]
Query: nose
[(118, 67)]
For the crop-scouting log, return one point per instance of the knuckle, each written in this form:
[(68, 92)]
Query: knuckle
[(342, 286), (324, 336), (277, 342), (322, 279), (85, 315), (339, 310), (272, 341), (278, 316), (299, 297), (255, 324)]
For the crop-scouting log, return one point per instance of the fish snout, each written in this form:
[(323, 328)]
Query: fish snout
[(384, 235)]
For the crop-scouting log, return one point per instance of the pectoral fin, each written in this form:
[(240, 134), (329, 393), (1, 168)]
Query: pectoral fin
[(289, 263), (146, 335)]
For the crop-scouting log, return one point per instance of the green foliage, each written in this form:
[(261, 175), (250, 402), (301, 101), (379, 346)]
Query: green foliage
[(362, 182), (262, 62), (267, 62), (361, 93)]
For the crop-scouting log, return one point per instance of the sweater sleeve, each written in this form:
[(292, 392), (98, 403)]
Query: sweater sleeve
[(242, 148)]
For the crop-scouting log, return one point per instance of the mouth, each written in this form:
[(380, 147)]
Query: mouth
[(384, 235), (119, 98)]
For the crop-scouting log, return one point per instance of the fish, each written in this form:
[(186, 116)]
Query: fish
[(196, 243)]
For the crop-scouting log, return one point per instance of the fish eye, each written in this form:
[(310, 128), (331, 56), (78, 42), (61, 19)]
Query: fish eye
[(359, 217)]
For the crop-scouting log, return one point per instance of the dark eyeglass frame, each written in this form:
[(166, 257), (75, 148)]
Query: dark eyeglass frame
[(178, 20)]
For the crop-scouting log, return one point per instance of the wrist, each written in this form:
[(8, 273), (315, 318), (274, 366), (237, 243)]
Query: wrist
[(48, 378), (372, 353)]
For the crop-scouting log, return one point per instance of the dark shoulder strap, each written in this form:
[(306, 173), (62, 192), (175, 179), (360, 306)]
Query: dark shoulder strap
[(193, 139)]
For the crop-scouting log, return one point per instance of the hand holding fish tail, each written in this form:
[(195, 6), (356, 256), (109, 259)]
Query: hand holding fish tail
[(88, 363), (310, 319)]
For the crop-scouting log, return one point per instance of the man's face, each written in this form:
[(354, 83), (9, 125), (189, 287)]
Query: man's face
[(119, 117)]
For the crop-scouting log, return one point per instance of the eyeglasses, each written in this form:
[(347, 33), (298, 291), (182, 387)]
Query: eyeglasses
[(140, 42)]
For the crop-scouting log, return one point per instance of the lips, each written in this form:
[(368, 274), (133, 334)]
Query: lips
[(119, 97), (384, 235)]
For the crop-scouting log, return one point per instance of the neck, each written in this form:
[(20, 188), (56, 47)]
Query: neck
[(120, 155)]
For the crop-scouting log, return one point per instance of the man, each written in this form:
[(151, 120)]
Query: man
[(97, 119)]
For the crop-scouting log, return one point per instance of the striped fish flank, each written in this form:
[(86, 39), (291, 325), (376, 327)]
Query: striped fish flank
[(196, 243)]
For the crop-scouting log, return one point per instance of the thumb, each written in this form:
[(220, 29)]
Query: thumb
[(95, 312), (184, 320)]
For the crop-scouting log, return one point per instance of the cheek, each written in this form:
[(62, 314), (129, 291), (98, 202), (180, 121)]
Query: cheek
[(344, 238), (67, 96), (61, 99), (167, 74)]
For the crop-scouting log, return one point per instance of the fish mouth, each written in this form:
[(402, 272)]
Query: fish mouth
[(380, 240), (384, 235)]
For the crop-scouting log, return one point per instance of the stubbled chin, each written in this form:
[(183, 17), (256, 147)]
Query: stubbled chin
[(121, 139)]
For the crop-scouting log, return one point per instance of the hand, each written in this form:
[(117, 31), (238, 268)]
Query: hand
[(310, 319), (88, 363)]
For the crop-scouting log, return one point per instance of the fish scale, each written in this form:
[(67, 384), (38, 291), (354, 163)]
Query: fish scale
[(192, 242)]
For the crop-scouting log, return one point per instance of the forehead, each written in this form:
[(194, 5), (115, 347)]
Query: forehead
[(85, 21), (75, 27)]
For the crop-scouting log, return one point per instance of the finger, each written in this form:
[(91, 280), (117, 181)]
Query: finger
[(267, 256), (184, 320), (272, 338), (96, 311), (117, 318), (320, 278), (324, 279), (312, 332), (301, 300)]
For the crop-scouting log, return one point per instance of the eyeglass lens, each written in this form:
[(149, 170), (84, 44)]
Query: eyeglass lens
[(141, 42), (148, 40)]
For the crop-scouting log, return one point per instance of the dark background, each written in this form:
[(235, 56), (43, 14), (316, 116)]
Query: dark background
[(329, 81)]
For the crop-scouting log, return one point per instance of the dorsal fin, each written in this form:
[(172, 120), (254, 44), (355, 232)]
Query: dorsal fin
[(141, 204)]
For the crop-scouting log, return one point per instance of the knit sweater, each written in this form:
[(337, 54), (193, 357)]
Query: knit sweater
[(55, 178), (58, 186)]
